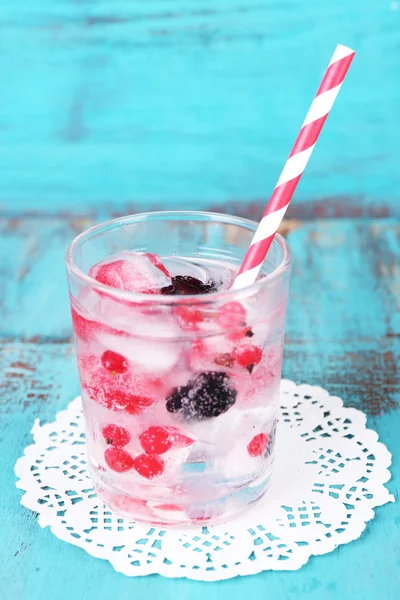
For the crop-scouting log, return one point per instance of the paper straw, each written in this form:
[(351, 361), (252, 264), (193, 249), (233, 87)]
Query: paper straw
[(295, 165)]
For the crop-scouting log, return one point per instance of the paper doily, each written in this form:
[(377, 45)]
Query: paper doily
[(329, 475)]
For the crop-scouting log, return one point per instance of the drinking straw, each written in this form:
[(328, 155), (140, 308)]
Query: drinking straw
[(294, 166)]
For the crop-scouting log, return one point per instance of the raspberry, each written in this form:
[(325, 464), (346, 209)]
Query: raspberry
[(116, 435), (134, 272), (155, 440), (258, 445), (207, 395), (148, 466), (231, 314), (114, 362), (118, 459), (188, 317), (248, 356)]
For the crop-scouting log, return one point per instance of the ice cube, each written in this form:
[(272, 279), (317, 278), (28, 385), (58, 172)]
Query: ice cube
[(133, 272), (150, 355)]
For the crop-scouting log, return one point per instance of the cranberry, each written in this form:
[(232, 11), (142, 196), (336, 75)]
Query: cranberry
[(155, 440), (248, 356), (148, 466), (258, 445), (114, 362), (116, 435), (231, 314), (118, 459)]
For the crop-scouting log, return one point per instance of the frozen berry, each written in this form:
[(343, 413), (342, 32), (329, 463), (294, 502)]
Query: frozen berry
[(178, 439), (188, 317), (248, 356), (114, 362), (207, 395), (258, 445), (115, 435), (148, 466), (185, 285), (134, 405), (231, 314), (84, 328), (118, 460), (114, 391), (225, 360), (237, 335), (155, 440), (134, 272)]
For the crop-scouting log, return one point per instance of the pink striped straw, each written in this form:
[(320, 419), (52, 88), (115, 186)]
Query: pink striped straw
[(295, 165)]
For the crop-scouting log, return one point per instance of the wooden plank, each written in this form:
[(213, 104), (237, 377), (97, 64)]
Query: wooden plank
[(39, 380), (181, 103), (342, 333)]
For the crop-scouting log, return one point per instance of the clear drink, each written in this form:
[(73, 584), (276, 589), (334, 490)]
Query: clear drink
[(179, 374)]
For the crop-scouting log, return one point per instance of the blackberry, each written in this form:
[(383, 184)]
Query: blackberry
[(207, 395), (184, 285)]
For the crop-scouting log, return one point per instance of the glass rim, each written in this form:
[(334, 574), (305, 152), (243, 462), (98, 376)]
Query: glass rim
[(159, 299)]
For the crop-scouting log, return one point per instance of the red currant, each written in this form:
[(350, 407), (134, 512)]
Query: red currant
[(258, 445), (116, 435), (114, 362), (118, 459), (178, 439), (188, 317), (155, 440), (137, 404), (239, 334), (248, 356), (231, 314), (148, 466)]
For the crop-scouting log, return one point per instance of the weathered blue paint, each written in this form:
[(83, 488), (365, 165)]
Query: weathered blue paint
[(114, 107), (343, 333), (117, 105)]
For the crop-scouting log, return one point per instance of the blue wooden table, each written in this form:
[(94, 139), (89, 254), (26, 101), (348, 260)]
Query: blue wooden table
[(115, 107)]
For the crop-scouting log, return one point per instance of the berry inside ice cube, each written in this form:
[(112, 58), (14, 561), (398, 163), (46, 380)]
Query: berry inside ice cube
[(133, 272), (119, 392), (115, 435), (206, 395), (118, 459), (258, 445), (248, 356), (155, 440), (148, 466)]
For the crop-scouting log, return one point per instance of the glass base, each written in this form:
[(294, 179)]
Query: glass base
[(169, 513)]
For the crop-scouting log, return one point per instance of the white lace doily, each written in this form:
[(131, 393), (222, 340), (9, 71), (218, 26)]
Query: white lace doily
[(329, 475)]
